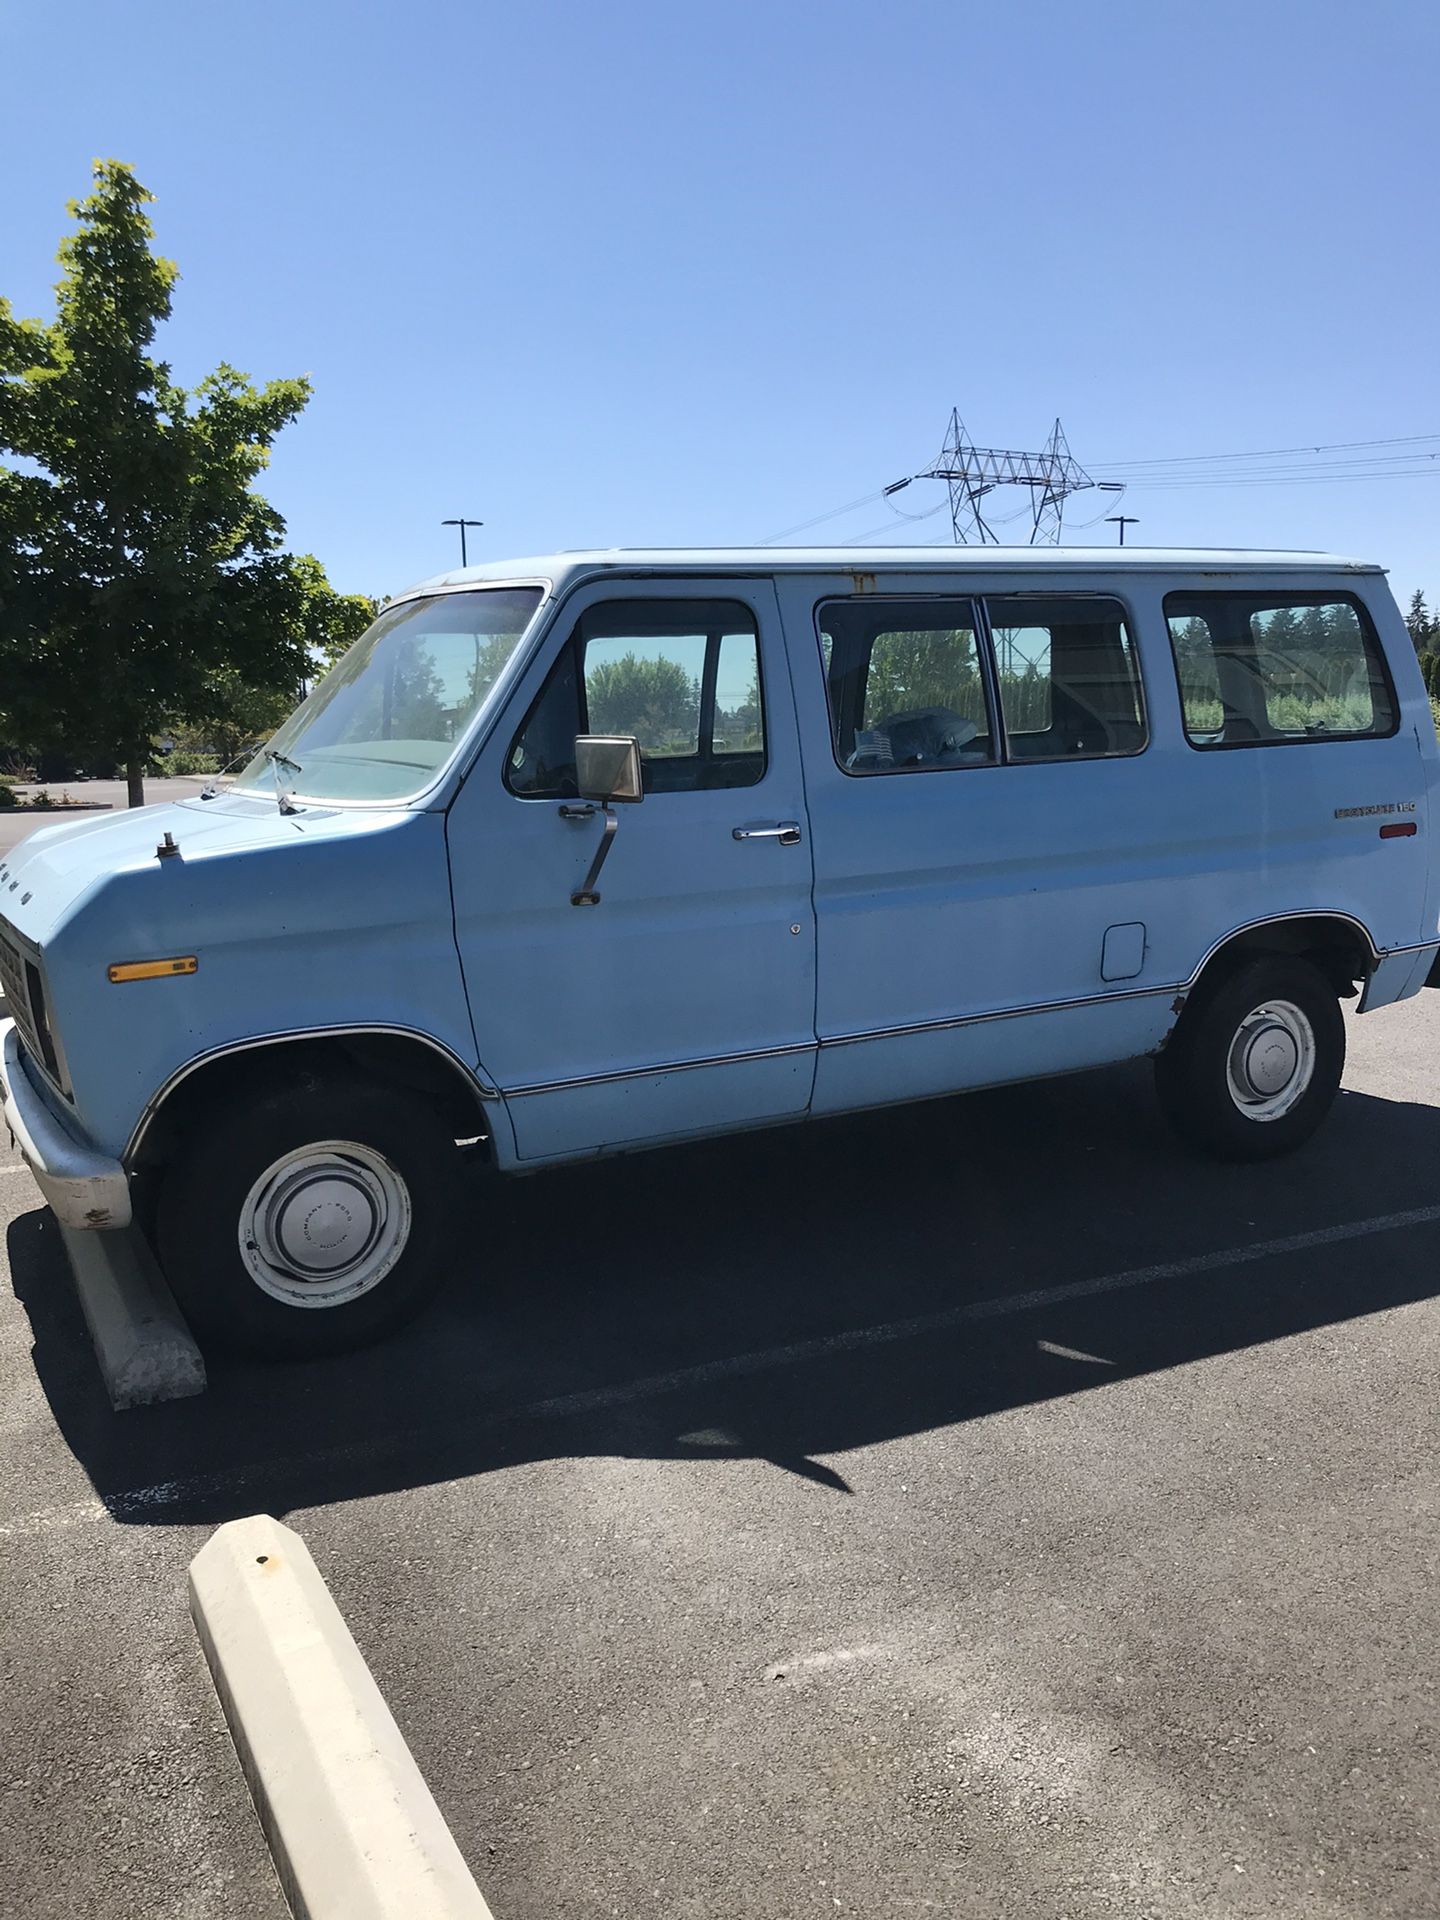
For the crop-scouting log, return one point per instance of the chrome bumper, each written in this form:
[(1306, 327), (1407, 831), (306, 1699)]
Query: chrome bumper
[(85, 1188)]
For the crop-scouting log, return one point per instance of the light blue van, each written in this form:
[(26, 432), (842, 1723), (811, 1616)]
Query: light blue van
[(908, 823)]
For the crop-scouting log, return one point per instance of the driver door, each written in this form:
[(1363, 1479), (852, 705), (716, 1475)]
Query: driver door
[(683, 1001)]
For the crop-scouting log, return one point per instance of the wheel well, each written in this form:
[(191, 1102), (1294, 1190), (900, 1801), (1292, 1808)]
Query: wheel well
[(1339, 948), (391, 1059)]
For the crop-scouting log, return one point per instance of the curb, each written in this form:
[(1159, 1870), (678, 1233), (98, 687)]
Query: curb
[(352, 1826), (143, 1346)]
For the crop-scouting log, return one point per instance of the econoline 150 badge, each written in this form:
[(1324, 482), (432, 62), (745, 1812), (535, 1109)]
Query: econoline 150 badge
[(1385, 806)]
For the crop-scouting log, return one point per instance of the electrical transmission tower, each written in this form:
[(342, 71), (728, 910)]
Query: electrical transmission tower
[(971, 473)]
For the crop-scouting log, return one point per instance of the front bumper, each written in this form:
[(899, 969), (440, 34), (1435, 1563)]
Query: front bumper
[(85, 1188)]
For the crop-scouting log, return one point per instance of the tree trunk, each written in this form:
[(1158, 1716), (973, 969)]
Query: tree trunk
[(135, 779)]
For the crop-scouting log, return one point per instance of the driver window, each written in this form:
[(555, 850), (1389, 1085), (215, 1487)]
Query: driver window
[(682, 676), (907, 690)]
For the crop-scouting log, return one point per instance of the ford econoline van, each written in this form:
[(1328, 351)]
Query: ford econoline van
[(607, 850)]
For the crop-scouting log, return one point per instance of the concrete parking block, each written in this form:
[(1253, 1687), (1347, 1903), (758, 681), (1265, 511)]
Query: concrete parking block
[(145, 1350), (352, 1826)]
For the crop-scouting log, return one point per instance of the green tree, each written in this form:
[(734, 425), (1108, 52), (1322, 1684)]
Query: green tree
[(330, 622), (741, 726), (1281, 632), (654, 698), (322, 625), (1424, 629), (929, 668), (143, 581), (492, 656)]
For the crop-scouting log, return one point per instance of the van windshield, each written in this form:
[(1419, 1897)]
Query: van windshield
[(388, 715)]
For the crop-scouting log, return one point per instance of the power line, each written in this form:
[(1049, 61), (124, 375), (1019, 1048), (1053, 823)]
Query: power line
[(1271, 453), (1171, 474), (833, 514), (1287, 479), (854, 539), (1104, 513), (1376, 463)]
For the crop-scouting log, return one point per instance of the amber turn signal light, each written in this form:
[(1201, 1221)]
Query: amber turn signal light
[(151, 969)]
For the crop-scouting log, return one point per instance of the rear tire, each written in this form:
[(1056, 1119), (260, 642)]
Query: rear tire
[(310, 1220), (1255, 1061)]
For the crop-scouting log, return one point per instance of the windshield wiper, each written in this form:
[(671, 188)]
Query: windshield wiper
[(282, 791)]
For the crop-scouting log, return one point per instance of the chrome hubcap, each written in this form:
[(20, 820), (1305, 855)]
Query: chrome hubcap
[(324, 1224), (1272, 1060)]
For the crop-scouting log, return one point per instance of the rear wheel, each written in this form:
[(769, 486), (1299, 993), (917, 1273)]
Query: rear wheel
[(1255, 1062), (311, 1220)]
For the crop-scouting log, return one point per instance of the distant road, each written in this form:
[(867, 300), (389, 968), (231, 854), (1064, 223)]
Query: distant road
[(111, 793)]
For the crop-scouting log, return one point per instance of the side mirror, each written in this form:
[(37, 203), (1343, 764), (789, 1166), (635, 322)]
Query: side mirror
[(607, 768)]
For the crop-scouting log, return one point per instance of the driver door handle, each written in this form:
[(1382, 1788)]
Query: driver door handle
[(787, 832)]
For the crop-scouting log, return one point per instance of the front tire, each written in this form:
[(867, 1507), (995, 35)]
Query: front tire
[(310, 1220), (1255, 1062)]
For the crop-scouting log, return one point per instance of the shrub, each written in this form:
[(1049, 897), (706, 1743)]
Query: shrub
[(7, 796), (42, 800), (189, 760)]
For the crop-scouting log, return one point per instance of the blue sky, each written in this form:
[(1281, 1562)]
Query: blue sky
[(694, 272)]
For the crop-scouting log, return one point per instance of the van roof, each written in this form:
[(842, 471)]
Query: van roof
[(565, 567)]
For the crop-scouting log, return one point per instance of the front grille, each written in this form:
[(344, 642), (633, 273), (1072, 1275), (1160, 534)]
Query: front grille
[(17, 994)]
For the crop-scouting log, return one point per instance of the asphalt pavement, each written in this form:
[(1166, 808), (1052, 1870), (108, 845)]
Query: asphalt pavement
[(982, 1508)]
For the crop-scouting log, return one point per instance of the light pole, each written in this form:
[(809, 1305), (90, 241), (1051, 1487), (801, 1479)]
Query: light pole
[(462, 524), (1122, 520)]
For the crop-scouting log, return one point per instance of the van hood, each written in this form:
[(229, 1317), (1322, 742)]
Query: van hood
[(53, 871)]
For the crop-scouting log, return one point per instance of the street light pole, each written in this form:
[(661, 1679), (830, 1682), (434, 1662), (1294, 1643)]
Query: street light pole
[(462, 525), (1122, 520)]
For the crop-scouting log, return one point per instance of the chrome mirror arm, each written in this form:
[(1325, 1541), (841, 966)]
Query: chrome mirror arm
[(585, 894)]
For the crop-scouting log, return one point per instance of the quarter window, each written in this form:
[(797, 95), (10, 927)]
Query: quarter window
[(1069, 684), (1270, 669), (682, 676)]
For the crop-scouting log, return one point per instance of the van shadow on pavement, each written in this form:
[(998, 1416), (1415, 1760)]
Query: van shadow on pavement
[(576, 1282)]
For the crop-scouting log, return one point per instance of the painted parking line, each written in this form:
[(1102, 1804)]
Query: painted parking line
[(135, 1504), (995, 1308)]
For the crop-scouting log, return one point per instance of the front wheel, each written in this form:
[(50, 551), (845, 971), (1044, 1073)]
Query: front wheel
[(1254, 1063), (313, 1219)]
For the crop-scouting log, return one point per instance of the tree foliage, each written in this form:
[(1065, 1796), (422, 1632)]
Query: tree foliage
[(1424, 628), (143, 580), (926, 668), (652, 697)]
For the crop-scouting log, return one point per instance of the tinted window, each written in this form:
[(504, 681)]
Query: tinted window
[(907, 689), (1069, 685), (682, 676), (1266, 669)]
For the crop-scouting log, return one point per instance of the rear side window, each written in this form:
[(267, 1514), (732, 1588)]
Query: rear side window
[(682, 676), (1069, 684), (1270, 669), (906, 683)]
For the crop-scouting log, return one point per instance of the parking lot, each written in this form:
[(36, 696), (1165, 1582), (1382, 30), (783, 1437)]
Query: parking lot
[(981, 1508), (16, 823)]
